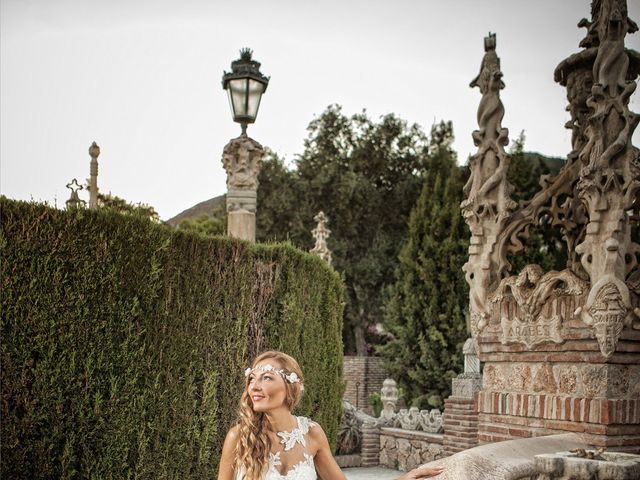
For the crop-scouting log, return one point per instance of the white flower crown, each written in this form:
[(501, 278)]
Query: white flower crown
[(291, 377)]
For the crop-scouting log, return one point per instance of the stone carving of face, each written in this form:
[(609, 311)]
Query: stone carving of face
[(267, 389)]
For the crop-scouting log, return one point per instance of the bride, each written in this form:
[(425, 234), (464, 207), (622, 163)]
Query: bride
[(269, 442)]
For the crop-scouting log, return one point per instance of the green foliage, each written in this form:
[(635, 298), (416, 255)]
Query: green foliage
[(376, 403), (120, 205), (123, 341), (545, 245), (366, 176), (350, 431), (203, 225), (425, 308)]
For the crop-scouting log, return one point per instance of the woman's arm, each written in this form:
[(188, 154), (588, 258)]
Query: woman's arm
[(226, 471), (328, 469), (422, 472), (326, 465)]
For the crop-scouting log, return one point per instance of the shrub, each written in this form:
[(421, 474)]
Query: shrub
[(124, 342)]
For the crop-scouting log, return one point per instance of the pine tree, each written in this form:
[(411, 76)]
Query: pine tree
[(424, 310)]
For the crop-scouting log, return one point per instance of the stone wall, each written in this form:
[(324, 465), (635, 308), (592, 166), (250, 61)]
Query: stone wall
[(405, 450), (528, 394), (363, 376)]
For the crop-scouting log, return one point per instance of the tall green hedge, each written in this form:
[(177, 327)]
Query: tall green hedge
[(124, 342)]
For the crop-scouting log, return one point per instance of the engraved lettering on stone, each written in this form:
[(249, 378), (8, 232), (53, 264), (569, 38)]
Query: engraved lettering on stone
[(532, 290)]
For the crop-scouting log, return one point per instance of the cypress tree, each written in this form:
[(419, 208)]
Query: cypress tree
[(425, 308)]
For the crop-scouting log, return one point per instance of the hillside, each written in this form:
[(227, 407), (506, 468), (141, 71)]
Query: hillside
[(213, 207)]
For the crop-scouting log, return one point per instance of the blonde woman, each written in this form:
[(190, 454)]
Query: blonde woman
[(269, 442)]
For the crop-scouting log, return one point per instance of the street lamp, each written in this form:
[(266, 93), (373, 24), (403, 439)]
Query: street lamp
[(245, 86)]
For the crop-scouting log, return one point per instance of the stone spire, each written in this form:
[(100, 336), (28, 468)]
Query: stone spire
[(321, 233), (488, 202)]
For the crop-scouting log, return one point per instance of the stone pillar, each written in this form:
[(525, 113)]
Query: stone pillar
[(460, 412), (242, 159), (370, 452), (94, 152)]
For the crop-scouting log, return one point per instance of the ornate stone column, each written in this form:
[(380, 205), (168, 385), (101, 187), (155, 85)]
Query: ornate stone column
[(94, 152), (609, 185), (321, 233), (242, 159)]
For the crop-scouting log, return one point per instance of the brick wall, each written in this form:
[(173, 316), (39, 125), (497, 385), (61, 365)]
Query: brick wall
[(362, 375), (460, 424), (614, 424)]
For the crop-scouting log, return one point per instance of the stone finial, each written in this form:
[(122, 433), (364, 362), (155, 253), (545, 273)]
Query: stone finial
[(471, 360), (74, 200), (321, 233), (389, 397), (94, 152)]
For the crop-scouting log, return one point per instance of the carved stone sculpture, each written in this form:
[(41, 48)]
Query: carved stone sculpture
[(431, 420), (488, 202), (532, 290), (609, 184), (409, 419), (321, 233), (557, 347), (242, 159), (389, 397)]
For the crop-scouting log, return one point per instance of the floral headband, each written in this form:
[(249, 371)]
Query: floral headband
[(291, 377)]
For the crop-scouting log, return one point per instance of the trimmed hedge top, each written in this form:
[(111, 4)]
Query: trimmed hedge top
[(124, 342)]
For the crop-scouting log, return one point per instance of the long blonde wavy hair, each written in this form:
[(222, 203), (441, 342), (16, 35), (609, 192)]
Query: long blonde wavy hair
[(254, 443)]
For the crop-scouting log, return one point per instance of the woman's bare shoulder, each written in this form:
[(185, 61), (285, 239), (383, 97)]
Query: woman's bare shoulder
[(233, 434), (316, 432)]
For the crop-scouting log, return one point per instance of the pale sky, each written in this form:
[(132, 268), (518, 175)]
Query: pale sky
[(143, 79)]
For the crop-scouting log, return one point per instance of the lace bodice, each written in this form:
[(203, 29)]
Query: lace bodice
[(292, 459)]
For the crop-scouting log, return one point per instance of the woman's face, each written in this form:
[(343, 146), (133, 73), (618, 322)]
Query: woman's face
[(266, 388)]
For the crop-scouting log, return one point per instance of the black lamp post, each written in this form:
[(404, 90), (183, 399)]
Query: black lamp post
[(245, 86)]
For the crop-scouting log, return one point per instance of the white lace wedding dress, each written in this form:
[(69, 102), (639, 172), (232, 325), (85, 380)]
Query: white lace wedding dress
[(292, 460)]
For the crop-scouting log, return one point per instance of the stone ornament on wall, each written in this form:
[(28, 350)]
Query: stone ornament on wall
[(607, 312), (532, 290), (407, 419), (389, 397), (413, 419)]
